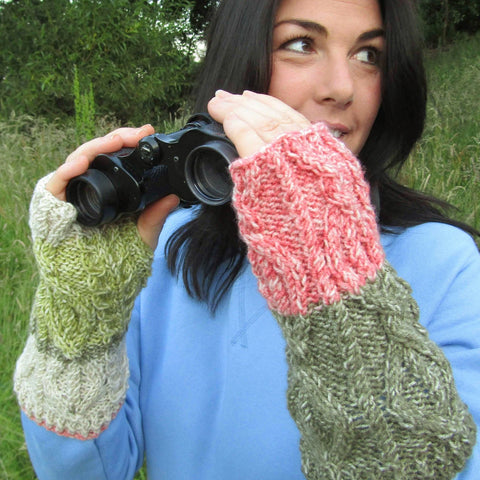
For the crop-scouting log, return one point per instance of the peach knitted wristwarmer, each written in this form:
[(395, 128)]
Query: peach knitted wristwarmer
[(72, 376), (372, 395)]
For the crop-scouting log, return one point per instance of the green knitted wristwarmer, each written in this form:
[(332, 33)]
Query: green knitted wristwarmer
[(73, 373), (373, 397)]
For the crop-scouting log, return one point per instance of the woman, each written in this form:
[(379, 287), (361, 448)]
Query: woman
[(363, 391)]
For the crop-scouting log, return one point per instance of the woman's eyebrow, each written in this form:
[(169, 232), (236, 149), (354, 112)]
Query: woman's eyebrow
[(306, 24), (319, 28), (371, 34)]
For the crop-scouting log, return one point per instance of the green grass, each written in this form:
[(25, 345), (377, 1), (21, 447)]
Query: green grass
[(446, 163), (28, 149)]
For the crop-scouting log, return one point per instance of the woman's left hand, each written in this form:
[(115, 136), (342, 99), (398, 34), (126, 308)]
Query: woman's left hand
[(253, 120)]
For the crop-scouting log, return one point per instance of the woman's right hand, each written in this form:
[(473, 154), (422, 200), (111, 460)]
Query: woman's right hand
[(151, 220)]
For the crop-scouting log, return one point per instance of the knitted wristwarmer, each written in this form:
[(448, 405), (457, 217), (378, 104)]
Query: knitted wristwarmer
[(372, 395), (72, 376)]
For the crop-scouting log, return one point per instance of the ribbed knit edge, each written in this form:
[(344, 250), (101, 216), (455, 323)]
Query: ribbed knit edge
[(75, 399)]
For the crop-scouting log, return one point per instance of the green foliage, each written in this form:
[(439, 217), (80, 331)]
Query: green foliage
[(201, 13), (443, 19), (138, 55), (84, 110)]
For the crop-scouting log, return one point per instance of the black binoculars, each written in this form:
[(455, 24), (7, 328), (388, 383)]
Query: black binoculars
[(191, 163)]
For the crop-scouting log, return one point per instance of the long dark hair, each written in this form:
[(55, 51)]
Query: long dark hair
[(239, 58)]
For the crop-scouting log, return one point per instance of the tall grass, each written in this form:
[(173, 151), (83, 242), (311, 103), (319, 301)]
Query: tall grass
[(446, 163), (28, 149)]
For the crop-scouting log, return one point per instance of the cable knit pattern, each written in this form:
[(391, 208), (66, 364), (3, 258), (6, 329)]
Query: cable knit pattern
[(73, 374), (332, 246), (372, 395)]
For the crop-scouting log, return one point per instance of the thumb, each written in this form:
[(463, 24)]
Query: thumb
[(151, 220)]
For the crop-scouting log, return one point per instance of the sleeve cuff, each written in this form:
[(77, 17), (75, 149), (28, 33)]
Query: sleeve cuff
[(72, 398)]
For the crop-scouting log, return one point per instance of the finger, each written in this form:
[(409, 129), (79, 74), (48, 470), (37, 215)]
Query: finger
[(79, 160), (225, 109), (131, 136), (270, 107), (287, 113), (59, 181), (253, 120), (152, 219), (246, 139), (268, 123), (121, 137)]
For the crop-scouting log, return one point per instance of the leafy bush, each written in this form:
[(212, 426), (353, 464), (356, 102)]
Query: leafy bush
[(138, 55), (443, 19)]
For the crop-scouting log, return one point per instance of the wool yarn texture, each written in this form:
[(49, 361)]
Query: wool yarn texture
[(72, 376), (372, 395)]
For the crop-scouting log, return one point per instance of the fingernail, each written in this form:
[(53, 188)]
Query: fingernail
[(144, 127), (221, 93)]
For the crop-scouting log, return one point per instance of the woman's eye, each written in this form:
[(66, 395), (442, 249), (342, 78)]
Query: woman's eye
[(299, 45), (370, 55)]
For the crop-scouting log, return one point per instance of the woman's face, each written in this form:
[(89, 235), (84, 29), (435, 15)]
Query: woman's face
[(326, 64)]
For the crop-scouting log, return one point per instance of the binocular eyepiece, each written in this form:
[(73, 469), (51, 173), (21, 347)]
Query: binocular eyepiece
[(191, 163)]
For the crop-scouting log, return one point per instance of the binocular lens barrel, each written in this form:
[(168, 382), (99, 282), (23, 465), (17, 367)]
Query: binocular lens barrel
[(207, 175), (94, 196)]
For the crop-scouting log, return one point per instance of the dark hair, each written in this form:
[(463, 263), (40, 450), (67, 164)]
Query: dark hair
[(239, 58)]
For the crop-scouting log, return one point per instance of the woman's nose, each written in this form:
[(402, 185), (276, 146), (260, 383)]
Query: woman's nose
[(335, 84)]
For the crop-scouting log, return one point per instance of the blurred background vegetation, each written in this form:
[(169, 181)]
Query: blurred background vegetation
[(139, 57)]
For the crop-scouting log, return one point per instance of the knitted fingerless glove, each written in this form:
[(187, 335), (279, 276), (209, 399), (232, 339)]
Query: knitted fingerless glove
[(372, 395), (73, 373)]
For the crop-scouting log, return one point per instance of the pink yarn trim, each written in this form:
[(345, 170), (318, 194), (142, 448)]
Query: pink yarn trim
[(66, 433), (304, 210)]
